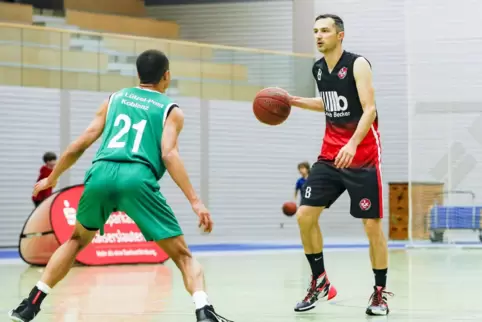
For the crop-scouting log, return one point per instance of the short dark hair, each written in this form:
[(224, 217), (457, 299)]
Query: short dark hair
[(339, 24), (305, 165), (49, 156), (151, 66)]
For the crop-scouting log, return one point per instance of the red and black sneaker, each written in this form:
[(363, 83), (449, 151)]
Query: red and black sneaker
[(320, 290), (378, 302)]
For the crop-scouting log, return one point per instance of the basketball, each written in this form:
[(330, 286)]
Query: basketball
[(289, 208), (271, 106)]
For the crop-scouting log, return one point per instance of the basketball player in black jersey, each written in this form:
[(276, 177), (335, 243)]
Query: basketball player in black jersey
[(349, 160)]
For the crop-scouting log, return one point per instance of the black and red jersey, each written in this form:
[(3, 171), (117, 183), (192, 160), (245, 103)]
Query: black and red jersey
[(343, 111)]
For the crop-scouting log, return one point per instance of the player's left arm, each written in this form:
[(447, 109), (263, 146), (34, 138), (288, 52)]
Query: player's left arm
[(364, 84), (75, 150)]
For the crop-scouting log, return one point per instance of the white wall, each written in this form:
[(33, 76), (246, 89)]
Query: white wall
[(446, 93), (303, 17), (30, 127), (262, 25)]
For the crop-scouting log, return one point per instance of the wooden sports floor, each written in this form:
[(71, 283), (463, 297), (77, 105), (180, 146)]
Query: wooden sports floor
[(429, 285)]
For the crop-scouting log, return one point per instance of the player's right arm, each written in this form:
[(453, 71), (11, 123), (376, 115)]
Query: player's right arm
[(175, 166), (75, 149), (308, 103)]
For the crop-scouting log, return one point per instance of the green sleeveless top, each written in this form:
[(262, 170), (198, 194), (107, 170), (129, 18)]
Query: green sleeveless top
[(133, 128)]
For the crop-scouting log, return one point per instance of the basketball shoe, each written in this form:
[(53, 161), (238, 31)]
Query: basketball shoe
[(378, 302), (25, 312), (320, 290), (207, 314)]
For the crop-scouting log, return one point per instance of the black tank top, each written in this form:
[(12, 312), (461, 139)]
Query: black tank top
[(343, 109)]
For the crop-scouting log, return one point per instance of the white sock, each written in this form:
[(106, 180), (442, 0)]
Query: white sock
[(43, 287), (200, 299)]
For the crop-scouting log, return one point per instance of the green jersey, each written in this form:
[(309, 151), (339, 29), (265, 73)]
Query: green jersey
[(133, 128)]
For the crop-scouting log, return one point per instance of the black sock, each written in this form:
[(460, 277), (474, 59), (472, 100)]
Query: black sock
[(317, 264), (380, 277), (36, 296)]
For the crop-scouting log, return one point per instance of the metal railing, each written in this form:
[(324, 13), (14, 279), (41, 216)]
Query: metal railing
[(71, 59)]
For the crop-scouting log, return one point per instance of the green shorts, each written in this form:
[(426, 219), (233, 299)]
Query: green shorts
[(131, 188)]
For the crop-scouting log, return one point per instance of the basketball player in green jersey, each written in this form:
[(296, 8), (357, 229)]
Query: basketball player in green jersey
[(140, 128)]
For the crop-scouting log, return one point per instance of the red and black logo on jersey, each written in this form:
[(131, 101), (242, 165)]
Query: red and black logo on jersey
[(342, 73)]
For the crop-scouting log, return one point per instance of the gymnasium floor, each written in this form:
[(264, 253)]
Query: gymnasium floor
[(262, 286)]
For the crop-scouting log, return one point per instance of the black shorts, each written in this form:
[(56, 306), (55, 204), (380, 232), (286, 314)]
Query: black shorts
[(326, 183)]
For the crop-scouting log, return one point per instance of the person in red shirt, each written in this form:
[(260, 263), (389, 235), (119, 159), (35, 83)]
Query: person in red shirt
[(49, 159)]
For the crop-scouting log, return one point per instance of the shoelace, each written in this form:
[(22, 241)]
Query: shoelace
[(310, 290), (379, 297), (219, 317)]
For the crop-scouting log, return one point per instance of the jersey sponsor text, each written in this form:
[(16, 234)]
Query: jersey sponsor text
[(335, 105)]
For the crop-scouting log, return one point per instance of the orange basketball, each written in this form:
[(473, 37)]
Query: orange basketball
[(289, 208), (271, 106)]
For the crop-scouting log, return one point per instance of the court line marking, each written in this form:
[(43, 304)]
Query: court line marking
[(237, 247)]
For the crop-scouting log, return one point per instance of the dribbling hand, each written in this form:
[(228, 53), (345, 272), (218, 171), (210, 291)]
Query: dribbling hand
[(42, 185), (292, 99), (345, 155), (205, 222)]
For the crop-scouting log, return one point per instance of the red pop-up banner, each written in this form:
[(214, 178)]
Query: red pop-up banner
[(52, 223)]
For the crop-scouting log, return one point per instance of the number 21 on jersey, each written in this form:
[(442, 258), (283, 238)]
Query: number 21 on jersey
[(117, 141)]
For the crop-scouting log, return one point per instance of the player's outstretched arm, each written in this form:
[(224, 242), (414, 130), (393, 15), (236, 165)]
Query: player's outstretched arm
[(75, 150), (175, 166), (364, 83), (170, 154), (307, 103)]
